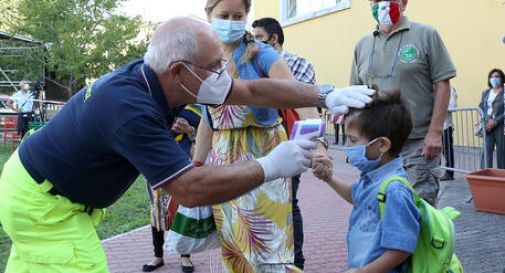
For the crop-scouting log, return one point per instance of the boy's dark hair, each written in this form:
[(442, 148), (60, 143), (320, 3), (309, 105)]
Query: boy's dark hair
[(271, 26), (387, 116)]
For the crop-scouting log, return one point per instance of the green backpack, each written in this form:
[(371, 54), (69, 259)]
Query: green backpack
[(435, 246)]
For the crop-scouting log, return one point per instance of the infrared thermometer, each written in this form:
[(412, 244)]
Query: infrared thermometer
[(307, 129)]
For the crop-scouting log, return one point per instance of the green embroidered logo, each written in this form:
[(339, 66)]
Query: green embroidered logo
[(88, 92), (408, 53)]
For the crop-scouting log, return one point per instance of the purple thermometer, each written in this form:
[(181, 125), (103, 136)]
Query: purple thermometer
[(307, 129)]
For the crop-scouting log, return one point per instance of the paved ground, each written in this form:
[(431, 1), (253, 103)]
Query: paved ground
[(325, 221), (480, 236)]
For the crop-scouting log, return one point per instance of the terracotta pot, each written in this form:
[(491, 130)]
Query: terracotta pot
[(488, 189)]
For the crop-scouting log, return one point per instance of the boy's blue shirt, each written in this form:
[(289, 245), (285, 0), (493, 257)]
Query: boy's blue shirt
[(370, 236)]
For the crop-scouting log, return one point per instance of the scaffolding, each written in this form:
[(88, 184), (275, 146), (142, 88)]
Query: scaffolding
[(21, 57)]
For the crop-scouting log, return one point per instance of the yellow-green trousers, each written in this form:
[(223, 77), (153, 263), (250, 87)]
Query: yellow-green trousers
[(49, 233)]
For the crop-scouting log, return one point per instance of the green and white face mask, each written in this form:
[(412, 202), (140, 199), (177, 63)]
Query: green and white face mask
[(386, 13)]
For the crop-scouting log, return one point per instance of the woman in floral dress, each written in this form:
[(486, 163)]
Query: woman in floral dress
[(255, 229)]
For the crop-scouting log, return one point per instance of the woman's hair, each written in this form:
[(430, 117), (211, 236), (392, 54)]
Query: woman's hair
[(386, 116), (248, 38), (494, 70), (211, 4), (163, 50), (251, 49)]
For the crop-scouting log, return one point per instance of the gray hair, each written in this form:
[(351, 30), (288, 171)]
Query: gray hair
[(22, 82), (172, 41)]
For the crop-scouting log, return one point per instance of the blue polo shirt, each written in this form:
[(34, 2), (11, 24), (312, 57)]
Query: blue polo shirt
[(105, 135), (370, 236)]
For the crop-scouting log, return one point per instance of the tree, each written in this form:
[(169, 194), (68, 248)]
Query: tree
[(83, 39), (8, 11)]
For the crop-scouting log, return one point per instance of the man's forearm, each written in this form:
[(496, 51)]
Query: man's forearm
[(274, 93), (441, 104), (213, 185)]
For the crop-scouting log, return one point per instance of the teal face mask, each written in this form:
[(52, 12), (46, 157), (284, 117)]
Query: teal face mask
[(495, 82), (229, 31)]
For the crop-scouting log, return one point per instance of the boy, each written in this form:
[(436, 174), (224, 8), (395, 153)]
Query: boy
[(375, 137)]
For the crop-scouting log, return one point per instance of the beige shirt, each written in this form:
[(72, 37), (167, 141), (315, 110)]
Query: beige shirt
[(413, 58)]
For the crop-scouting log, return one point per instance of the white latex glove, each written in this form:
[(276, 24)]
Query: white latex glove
[(341, 99), (288, 159)]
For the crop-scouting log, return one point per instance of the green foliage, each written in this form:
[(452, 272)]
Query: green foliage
[(20, 60), (5, 248), (85, 39), (8, 11)]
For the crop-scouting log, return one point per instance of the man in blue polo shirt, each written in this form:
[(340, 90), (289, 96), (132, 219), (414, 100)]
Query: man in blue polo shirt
[(53, 188)]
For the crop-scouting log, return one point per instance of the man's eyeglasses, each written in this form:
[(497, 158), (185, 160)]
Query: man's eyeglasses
[(218, 69)]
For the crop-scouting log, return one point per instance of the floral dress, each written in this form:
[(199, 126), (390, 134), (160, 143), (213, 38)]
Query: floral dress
[(256, 229), (161, 206)]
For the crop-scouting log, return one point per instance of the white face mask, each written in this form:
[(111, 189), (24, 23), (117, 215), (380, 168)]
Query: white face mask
[(213, 90), (26, 87)]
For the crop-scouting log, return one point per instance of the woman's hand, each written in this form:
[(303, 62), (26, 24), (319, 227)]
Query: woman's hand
[(182, 126), (490, 124)]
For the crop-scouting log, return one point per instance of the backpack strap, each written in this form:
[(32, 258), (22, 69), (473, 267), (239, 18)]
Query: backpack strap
[(381, 197)]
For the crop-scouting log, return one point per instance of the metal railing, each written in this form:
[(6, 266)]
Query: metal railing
[(463, 151)]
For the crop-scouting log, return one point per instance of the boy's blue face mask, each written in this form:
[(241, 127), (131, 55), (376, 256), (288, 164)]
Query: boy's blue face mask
[(357, 157)]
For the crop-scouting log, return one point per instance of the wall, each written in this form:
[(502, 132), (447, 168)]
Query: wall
[(472, 32)]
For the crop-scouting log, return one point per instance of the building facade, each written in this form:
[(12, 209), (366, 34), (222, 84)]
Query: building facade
[(326, 31)]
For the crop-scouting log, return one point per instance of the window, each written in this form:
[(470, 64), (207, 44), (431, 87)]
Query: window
[(294, 11)]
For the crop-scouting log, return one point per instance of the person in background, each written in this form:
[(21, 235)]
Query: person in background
[(448, 138), (269, 31), (256, 228), (160, 203), (24, 106), (406, 55), (492, 104), (339, 122)]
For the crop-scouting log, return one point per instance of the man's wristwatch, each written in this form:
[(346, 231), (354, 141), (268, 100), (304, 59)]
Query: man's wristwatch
[(324, 90), (323, 141)]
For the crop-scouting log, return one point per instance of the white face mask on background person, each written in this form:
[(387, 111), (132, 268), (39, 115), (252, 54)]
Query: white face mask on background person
[(213, 90), (26, 87)]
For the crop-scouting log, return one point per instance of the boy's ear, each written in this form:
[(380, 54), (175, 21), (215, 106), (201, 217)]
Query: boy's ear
[(384, 145)]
